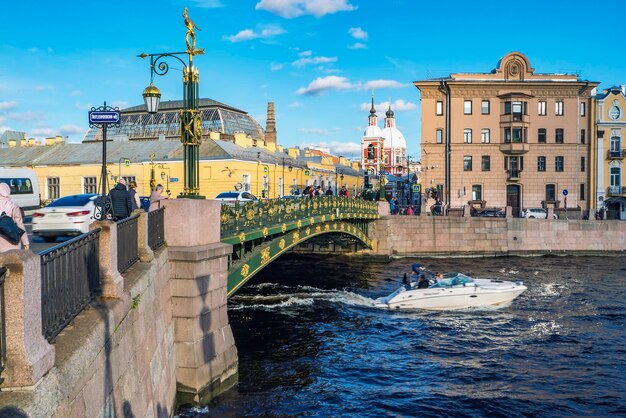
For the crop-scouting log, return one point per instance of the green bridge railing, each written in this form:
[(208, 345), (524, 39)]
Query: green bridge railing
[(262, 231)]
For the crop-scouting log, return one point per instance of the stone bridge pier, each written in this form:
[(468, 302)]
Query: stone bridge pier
[(206, 356)]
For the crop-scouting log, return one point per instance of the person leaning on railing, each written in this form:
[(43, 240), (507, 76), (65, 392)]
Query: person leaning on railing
[(156, 197), (13, 210)]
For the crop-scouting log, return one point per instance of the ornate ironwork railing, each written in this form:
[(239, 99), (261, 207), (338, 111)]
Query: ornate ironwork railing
[(240, 217), (156, 228), (127, 246), (3, 336), (70, 279)]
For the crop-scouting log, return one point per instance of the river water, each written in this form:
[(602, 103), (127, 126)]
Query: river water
[(312, 344)]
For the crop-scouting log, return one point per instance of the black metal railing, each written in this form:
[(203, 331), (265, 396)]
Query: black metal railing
[(617, 153), (3, 335), (156, 228), (616, 190), (127, 248), (70, 279)]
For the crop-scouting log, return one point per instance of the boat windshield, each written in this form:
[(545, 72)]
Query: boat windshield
[(453, 279)]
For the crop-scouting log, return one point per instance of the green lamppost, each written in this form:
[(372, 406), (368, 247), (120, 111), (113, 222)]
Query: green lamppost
[(190, 116)]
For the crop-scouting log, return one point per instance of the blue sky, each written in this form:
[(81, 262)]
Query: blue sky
[(316, 59)]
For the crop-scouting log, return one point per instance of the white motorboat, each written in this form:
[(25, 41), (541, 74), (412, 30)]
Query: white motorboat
[(454, 291)]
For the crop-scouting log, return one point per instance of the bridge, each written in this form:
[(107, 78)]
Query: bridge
[(262, 231)]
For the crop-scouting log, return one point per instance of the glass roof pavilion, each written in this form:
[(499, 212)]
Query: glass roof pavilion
[(137, 124)]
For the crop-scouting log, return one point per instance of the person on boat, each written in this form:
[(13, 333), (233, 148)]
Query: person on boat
[(422, 283), (439, 276)]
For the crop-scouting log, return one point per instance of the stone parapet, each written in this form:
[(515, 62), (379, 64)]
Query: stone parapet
[(145, 252), (433, 235), (29, 356), (111, 281)]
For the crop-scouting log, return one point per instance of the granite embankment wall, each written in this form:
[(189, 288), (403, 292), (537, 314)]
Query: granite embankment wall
[(428, 235), (115, 359)]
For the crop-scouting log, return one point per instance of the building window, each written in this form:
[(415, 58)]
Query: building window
[(54, 188), (245, 179), (541, 163), (371, 153), (541, 135), (439, 108), (550, 192), (128, 179), (477, 192), (558, 135), (558, 163), (615, 179), (582, 136), (485, 136), (484, 108), (582, 164), (581, 193), (558, 108), (467, 107), (439, 136), (541, 108), (467, 136), (467, 163), (615, 146), (582, 109), (507, 108), (486, 163), (90, 184)]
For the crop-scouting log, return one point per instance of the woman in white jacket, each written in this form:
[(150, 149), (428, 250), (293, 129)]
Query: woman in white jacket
[(13, 210)]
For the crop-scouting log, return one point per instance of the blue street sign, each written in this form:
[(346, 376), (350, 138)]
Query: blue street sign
[(98, 116), (565, 192), (173, 179)]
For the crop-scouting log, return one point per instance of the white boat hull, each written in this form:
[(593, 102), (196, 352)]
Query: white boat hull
[(481, 293)]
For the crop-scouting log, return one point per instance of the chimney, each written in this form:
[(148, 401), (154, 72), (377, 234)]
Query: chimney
[(270, 125)]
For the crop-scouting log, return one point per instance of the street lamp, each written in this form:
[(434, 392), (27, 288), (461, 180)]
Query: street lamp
[(166, 177), (190, 116), (337, 172)]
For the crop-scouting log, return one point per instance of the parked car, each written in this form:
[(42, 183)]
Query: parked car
[(69, 215), (490, 213), (538, 213), (232, 197)]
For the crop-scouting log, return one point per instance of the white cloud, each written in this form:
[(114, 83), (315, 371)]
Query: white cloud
[(207, 4), (307, 53), (295, 8), (313, 60), (249, 34), (381, 84), (276, 66), (293, 105), (8, 105), (87, 106), (322, 84), (397, 106), (358, 45), (42, 132), (358, 33), (74, 93), (26, 116), (336, 147), (71, 129)]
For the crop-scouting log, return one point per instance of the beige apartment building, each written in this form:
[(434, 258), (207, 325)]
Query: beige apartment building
[(510, 137)]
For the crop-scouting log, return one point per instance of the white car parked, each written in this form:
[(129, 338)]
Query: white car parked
[(232, 197), (69, 215), (538, 213)]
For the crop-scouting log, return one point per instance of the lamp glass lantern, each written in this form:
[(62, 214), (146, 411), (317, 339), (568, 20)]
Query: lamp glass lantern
[(152, 97)]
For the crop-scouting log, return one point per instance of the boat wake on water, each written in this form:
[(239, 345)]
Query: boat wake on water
[(288, 296)]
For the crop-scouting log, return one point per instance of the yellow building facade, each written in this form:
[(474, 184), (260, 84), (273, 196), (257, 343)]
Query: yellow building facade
[(609, 152)]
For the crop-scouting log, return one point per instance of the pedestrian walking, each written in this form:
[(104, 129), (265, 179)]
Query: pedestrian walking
[(134, 196), (121, 205), (156, 196), (329, 192), (11, 209)]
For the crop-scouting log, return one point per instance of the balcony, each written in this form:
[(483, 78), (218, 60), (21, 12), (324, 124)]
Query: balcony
[(616, 154), (514, 148), (616, 191), (513, 175), (514, 118)]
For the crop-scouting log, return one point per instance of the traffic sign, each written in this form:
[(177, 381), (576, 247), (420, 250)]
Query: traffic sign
[(102, 116), (307, 172), (417, 188), (173, 179), (126, 162), (565, 192)]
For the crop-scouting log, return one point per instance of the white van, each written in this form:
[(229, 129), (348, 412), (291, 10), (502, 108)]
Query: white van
[(24, 186)]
